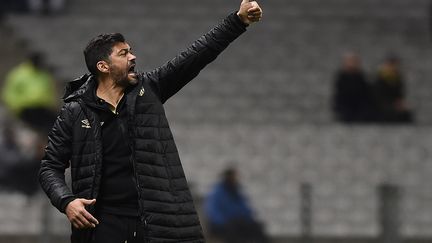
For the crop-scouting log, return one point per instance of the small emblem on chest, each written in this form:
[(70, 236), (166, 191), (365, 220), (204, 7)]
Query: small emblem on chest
[(142, 91), (85, 123)]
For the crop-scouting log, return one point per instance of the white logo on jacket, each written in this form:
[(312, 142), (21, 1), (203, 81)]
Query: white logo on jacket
[(142, 91), (85, 123)]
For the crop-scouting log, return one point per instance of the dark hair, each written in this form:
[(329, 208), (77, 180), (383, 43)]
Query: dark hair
[(36, 58), (230, 171), (99, 48), (392, 58)]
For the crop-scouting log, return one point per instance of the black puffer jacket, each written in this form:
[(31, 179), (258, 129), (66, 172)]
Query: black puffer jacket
[(165, 202)]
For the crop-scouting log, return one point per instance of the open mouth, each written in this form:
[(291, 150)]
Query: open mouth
[(132, 69)]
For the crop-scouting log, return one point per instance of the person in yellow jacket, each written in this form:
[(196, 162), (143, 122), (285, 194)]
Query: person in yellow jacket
[(29, 92)]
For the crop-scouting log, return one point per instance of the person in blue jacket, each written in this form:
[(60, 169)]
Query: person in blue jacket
[(229, 215)]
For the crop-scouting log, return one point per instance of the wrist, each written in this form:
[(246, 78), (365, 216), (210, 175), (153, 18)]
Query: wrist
[(240, 19), (66, 203)]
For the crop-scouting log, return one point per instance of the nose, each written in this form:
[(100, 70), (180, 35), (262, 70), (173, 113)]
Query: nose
[(132, 57)]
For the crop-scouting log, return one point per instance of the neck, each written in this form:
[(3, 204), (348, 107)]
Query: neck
[(109, 91)]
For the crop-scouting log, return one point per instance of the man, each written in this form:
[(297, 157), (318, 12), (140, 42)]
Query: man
[(390, 93), (230, 217), (352, 100), (30, 93), (127, 181)]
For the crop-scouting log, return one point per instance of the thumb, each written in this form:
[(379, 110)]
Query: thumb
[(254, 3), (88, 202), (244, 1)]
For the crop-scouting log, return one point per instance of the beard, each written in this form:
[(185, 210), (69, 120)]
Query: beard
[(129, 79), (125, 77)]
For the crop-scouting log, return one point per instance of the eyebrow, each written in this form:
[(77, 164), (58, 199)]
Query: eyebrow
[(125, 50)]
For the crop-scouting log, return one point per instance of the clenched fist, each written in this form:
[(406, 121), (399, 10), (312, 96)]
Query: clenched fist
[(249, 12), (79, 216)]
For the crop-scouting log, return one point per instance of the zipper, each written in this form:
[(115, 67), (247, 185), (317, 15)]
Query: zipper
[(138, 188), (133, 162), (143, 224), (137, 185), (130, 104), (135, 173)]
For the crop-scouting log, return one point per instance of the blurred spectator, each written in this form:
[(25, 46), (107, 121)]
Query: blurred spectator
[(430, 19), (390, 92), (46, 6), (353, 99), (30, 93), (18, 169), (35, 6), (230, 218), (13, 6)]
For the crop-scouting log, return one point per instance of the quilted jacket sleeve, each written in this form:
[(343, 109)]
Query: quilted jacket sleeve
[(175, 74), (56, 160)]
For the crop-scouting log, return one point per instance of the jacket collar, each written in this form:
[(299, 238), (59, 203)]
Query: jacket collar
[(80, 86), (77, 87)]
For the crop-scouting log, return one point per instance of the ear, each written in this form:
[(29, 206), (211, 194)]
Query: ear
[(102, 66)]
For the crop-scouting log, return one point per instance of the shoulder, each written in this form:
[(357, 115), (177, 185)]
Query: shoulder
[(71, 110), (147, 77), (219, 188), (72, 106), (150, 80)]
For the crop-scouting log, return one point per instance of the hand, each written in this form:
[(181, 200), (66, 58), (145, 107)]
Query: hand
[(249, 12), (79, 216)]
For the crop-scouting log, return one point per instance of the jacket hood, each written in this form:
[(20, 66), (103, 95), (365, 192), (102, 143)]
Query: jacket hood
[(77, 87)]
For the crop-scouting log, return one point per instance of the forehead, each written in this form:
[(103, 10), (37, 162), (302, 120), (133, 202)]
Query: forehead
[(120, 46)]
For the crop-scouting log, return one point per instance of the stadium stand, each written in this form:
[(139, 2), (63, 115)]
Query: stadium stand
[(265, 103)]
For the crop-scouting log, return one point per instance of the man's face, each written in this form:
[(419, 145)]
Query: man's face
[(122, 65), (351, 63)]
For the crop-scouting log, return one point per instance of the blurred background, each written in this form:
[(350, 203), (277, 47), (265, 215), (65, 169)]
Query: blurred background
[(323, 110)]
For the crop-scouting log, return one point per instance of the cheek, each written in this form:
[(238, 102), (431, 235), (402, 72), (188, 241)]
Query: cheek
[(118, 69)]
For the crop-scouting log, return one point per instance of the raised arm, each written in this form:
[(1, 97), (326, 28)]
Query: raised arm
[(172, 76)]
